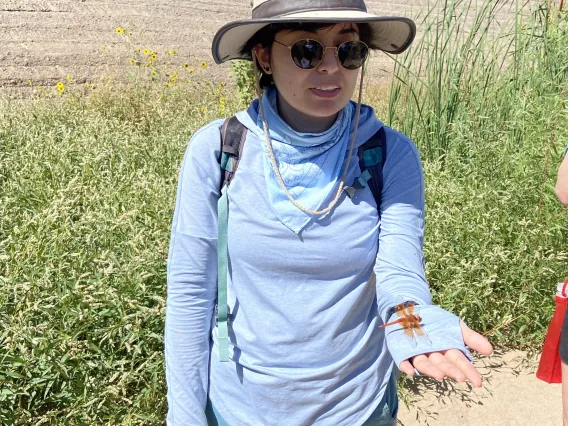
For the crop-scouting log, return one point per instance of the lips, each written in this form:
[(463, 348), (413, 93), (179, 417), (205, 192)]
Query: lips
[(326, 91), (327, 87)]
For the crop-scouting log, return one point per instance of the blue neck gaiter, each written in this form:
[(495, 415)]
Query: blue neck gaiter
[(311, 164)]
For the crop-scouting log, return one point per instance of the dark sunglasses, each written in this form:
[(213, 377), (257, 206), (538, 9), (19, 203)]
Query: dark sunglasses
[(308, 54)]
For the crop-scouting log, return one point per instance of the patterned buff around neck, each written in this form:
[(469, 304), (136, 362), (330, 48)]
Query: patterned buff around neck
[(311, 164)]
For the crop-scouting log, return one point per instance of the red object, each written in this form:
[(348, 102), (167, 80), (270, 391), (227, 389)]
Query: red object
[(549, 366)]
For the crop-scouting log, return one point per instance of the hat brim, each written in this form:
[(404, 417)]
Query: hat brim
[(391, 34)]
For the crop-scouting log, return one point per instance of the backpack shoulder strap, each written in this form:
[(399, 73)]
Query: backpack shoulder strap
[(372, 156), (233, 136)]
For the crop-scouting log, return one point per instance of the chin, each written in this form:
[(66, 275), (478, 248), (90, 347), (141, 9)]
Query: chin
[(323, 111)]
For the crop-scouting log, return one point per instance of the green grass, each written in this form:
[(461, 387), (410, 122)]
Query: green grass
[(87, 187), (86, 200)]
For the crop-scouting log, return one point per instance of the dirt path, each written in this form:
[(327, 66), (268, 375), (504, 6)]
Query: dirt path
[(511, 396)]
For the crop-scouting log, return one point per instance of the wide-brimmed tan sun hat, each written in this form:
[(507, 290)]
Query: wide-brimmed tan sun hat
[(391, 34)]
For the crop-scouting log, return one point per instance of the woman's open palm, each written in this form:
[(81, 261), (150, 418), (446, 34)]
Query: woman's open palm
[(451, 363)]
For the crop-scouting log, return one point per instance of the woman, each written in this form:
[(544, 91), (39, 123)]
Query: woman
[(304, 344)]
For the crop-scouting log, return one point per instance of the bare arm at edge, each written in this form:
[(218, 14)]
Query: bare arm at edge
[(562, 182)]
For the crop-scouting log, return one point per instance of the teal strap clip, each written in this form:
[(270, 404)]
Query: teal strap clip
[(373, 156), (222, 260), (227, 162), (360, 183), (363, 179)]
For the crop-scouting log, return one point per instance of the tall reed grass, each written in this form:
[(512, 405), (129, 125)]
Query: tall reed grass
[(487, 107)]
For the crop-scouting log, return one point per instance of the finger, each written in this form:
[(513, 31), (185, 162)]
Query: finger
[(457, 358), (447, 367), (407, 368), (425, 367), (475, 340)]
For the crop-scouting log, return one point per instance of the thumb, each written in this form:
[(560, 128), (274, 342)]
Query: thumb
[(475, 341)]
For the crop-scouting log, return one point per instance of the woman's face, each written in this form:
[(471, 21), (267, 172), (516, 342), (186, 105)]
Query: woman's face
[(320, 92)]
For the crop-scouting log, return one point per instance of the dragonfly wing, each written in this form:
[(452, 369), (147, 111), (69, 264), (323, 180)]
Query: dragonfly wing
[(422, 336), (403, 309), (410, 335), (400, 311)]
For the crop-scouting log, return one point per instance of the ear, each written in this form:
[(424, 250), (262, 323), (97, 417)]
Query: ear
[(263, 57)]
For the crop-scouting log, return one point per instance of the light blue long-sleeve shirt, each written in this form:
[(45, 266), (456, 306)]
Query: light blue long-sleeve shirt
[(305, 347)]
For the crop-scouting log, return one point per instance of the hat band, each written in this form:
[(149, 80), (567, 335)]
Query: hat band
[(274, 8)]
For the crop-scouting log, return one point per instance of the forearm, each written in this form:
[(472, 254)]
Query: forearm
[(189, 310), (399, 267)]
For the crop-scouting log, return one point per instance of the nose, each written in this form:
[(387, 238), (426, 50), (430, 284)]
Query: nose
[(330, 63)]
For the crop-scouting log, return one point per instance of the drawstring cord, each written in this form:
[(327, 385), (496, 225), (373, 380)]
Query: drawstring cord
[(273, 159)]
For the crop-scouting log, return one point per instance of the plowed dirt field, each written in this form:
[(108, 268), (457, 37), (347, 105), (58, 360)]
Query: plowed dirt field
[(43, 41)]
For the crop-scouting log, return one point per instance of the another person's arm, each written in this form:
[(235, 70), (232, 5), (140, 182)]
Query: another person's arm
[(562, 194), (562, 181), (191, 279)]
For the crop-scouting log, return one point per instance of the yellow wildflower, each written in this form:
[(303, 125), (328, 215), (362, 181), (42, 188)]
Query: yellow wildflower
[(132, 61), (154, 72), (146, 52), (31, 83), (120, 31), (222, 101), (174, 77), (221, 85), (203, 64), (202, 109), (167, 84), (60, 87), (154, 56), (185, 65), (69, 79)]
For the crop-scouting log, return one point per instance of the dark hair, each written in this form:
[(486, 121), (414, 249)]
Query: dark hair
[(265, 37)]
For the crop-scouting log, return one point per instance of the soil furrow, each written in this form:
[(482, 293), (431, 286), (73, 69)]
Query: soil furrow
[(41, 39)]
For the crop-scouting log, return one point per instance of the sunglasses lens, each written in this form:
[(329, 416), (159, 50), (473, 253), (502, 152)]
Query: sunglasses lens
[(307, 54), (352, 54)]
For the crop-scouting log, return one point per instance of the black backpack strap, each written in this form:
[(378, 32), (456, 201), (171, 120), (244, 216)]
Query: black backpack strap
[(372, 156), (233, 136)]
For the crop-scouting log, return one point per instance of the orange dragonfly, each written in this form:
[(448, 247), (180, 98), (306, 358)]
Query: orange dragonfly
[(410, 321)]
